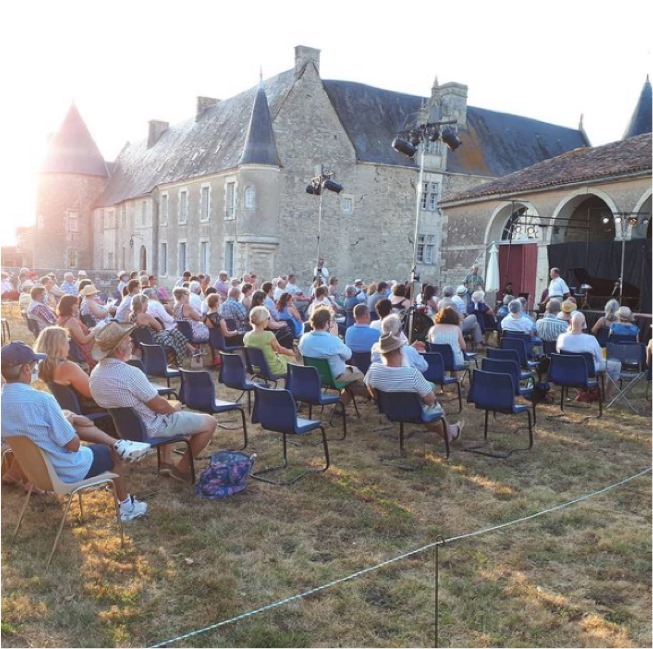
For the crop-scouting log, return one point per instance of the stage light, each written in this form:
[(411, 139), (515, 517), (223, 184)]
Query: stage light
[(403, 146), (332, 186), (315, 189), (450, 138)]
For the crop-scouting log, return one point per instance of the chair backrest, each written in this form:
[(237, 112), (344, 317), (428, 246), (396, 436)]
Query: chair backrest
[(275, 410), (35, 464), (516, 334), (88, 319), (493, 391), (232, 371), (323, 369), (589, 361), (568, 369), (216, 339), (66, 397), (400, 406), (257, 363), (549, 346), (503, 354), (185, 327), (33, 327), (435, 370), (361, 360), (509, 342), (137, 362), (304, 383), (142, 335), (501, 366), (445, 351), (631, 354), (75, 353), (602, 336), (128, 424), (622, 338), (197, 390), (154, 359)]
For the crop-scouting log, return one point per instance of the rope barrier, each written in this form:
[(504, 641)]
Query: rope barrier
[(400, 557)]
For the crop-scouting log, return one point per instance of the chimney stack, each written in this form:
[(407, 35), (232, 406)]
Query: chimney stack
[(305, 55), (157, 128), (203, 103)]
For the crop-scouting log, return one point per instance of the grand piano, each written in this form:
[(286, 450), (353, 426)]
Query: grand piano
[(600, 290)]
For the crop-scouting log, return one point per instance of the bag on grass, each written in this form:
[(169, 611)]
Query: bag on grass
[(588, 396), (540, 393), (226, 474)]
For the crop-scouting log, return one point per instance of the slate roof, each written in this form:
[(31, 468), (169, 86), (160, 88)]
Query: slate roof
[(621, 158), (640, 122), (260, 147), (72, 149), (494, 144)]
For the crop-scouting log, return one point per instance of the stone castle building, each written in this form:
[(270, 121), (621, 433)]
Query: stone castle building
[(227, 187)]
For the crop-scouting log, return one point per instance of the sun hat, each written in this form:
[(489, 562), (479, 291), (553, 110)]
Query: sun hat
[(108, 338), (389, 342), (18, 353), (624, 313), (358, 281), (567, 306), (81, 273), (89, 290), (121, 273), (461, 290)]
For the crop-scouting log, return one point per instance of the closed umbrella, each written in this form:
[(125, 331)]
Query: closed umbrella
[(492, 273)]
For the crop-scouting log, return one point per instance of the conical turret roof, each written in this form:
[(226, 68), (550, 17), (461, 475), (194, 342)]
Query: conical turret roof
[(260, 146), (640, 122)]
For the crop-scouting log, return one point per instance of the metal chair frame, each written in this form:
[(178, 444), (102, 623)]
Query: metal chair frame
[(571, 370), (436, 373), (233, 374), (256, 359), (328, 380)]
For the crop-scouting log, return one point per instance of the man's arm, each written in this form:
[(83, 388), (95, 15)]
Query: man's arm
[(162, 406)]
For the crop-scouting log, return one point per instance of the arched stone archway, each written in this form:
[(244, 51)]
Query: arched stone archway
[(583, 218)]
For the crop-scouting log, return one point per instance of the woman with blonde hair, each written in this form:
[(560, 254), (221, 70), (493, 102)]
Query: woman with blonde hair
[(182, 310), (171, 338), (275, 354)]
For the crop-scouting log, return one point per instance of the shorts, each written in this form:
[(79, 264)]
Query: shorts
[(102, 460), (182, 424)]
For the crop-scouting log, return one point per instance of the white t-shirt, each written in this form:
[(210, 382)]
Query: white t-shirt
[(571, 342), (324, 274), (558, 287)]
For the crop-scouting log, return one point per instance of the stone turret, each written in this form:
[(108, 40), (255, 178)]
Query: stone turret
[(305, 56)]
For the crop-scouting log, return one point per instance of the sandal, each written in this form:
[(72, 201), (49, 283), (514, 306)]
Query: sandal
[(460, 425)]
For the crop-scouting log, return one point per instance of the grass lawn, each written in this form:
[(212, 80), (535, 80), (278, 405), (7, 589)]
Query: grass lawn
[(577, 577)]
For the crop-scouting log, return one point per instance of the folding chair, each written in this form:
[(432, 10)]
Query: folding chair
[(570, 370), (198, 393), (276, 410), (41, 475), (257, 366), (633, 369), (493, 391), (233, 374), (130, 426), (328, 380), (156, 363), (436, 373), (406, 408)]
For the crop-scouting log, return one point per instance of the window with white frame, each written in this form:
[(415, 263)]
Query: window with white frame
[(144, 213), (163, 258), (205, 203), (111, 219), (73, 221), (183, 207), (229, 257), (181, 264), (347, 205), (163, 209), (430, 196), (250, 197), (123, 216), (230, 202), (204, 256), (426, 248)]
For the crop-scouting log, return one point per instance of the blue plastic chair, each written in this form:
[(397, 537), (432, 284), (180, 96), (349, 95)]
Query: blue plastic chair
[(495, 392), (142, 335), (304, 384), (602, 336), (164, 391), (67, 398), (156, 363), (130, 426), (510, 354), (361, 360), (75, 353), (436, 373), (510, 367), (447, 356), (276, 410), (571, 371), (622, 338), (233, 374), (185, 327), (219, 342), (257, 366), (198, 393), (406, 408), (518, 344)]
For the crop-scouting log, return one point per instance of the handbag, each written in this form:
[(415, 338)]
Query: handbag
[(225, 475)]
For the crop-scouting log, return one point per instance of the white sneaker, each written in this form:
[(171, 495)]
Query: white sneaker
[(132, 509), (131, 451)]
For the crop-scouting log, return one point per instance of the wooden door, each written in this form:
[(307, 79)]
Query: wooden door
[(518, 264)]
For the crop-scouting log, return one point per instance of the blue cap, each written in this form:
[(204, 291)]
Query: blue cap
[(18, 352)]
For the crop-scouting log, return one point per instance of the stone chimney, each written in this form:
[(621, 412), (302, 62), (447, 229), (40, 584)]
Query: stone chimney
[(305, 55), (157, 128), (453, 102), (203, 103)]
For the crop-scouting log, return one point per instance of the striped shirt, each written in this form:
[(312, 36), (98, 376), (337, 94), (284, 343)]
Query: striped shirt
[(36, 415), (115, 384), (549, 327)]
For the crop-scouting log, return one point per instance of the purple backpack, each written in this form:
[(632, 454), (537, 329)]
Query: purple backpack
[(226, 474)]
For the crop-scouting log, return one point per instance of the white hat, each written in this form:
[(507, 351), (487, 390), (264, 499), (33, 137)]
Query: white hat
[(461, 290)]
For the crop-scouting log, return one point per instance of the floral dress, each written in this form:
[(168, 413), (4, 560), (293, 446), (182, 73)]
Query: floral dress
[(200, 330), (172, 338)]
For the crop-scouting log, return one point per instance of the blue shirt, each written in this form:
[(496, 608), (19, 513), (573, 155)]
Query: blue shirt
[(36, 415), (322, 344), (269, 304), (360, 338)]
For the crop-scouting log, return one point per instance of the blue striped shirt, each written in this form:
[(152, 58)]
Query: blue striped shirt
[(36, 414)]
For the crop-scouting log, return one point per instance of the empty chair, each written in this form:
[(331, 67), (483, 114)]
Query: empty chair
[(257, 366), (571, 370), (130, 426), (156, 363), (361, 360), (518, 344), (198, 393), (632, 357), (163, 390), (276, 410), (327, 379), (304, 384), (511, 354), (41, 475), (510, 367), (233, 374), (406, 408), (436, 374), (67, 398), (495, 392)]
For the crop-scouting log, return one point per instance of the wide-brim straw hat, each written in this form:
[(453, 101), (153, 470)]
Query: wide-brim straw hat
[(389, 342), (108, 338), (89, 290)]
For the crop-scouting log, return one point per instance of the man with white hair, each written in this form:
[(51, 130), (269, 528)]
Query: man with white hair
[(468, 323), (517, 320), (157, 310), (549, 326), (233, 309), (69, 285), (411, 356), (280, 288), (222, 284), (195, 299)]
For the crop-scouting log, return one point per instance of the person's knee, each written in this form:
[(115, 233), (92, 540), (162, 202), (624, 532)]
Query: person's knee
[(209, 424)]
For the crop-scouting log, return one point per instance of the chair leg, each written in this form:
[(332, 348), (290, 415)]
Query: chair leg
[(81, 507), (401, 438), (460, 398), (530, 430), (245, 440), (22, 512), (118, 519), (563, 389), (487, 416), (56, 539)]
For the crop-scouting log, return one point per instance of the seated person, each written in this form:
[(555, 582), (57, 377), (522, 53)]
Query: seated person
[(233, 309), (289, 313), (398, 298), (360, 336), (447, 331), (38, 310), (549, 326), (116, 384), (214, 320), (35, 414), (625, 325), (382, 309), (276, 355), (323, 343), (393, 376), (410, 354), (482, 312), (609, 316)]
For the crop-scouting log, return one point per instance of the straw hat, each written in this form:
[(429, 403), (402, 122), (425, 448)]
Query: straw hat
[(625, 314), (389, 342), (567, 306), (89, 290), (108, 338)]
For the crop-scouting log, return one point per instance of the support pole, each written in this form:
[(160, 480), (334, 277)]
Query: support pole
[(319, 227), (413, 274)]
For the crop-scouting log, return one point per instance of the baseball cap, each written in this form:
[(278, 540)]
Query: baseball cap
[(18, 353)]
